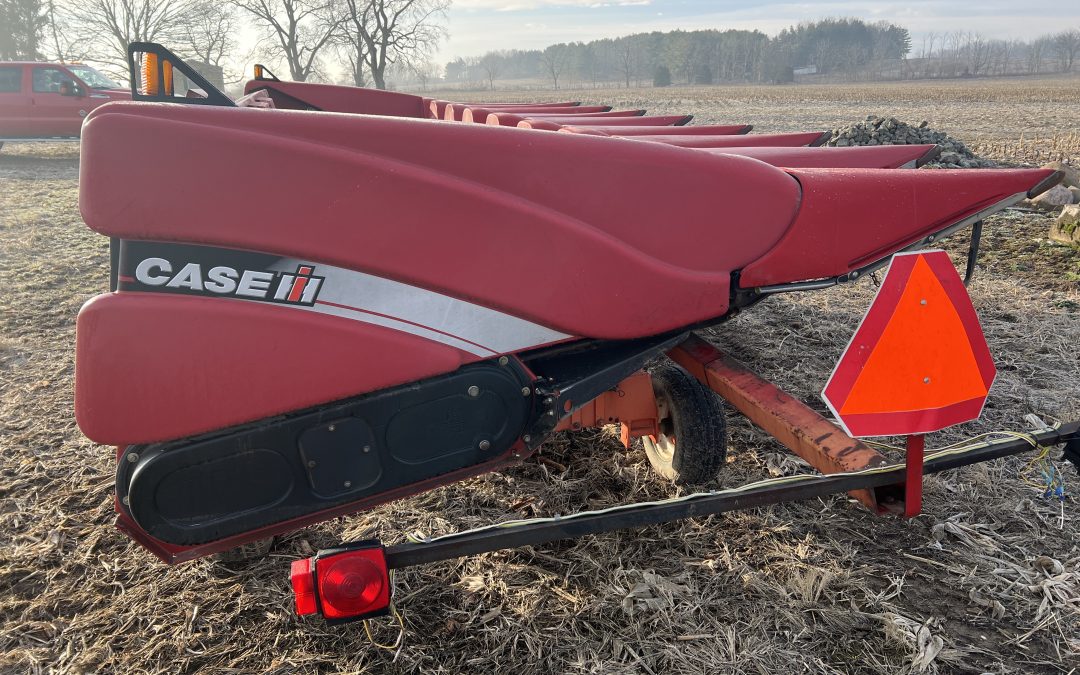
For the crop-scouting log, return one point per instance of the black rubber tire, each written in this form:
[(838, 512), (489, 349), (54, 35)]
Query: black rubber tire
[(694, 417), (253, 550)]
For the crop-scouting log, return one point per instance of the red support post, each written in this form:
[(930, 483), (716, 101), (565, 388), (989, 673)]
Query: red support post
[(916, 444)]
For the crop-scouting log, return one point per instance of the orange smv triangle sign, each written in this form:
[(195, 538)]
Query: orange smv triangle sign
[(918, 361)]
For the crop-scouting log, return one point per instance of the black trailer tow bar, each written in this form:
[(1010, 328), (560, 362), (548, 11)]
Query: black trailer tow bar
[(544, 530)]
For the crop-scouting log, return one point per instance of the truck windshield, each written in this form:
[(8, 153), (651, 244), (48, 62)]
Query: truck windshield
[(93, 78)]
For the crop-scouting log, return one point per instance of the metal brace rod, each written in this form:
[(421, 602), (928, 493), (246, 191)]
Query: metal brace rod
[(571, 527)]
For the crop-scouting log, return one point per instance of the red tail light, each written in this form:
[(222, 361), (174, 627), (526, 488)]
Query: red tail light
[(343, 584)]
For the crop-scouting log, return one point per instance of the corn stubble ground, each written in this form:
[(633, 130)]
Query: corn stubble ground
[(987, 580)]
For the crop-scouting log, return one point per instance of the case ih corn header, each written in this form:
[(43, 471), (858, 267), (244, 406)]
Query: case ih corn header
[(370, 294)]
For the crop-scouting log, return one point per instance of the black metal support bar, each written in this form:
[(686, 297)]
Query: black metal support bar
[(214, 96), (570, 380), (531, 534), (973, 251)]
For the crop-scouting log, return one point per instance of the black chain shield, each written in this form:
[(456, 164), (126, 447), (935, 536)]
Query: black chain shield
[(201, 490)]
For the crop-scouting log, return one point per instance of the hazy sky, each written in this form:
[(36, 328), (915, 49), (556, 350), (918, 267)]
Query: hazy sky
[(477, 26)]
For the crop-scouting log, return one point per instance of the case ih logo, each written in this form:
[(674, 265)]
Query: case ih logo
[(298, 288)]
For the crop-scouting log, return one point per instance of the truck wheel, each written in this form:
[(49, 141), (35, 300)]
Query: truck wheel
[(692, 444), (253, 550)]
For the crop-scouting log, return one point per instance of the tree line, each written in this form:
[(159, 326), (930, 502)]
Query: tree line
[(375, 42), (369, 37), (836, 48)]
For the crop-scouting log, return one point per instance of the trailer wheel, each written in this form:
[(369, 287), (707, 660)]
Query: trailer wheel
[(692, 444), (253, 550)]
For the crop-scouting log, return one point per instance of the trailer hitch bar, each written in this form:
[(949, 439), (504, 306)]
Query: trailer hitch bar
[(525, 533)]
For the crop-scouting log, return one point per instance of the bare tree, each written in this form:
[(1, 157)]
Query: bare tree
[(975, 50), (355, 55), (927, 51), (381, 33), (554, 61), (425, 73), (590, 57), (472, 70), (209, 33), (1067, 46), (629, 59), (61, 41), (491, 64), (105, 28), (680, 54), (826, 53), (981, 54), (350, 43), (1000, 51), (298, 30), (1036, 53), (953, 43)]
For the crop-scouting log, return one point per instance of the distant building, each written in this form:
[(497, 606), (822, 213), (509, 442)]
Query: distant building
[(806, 70), (215, 75)]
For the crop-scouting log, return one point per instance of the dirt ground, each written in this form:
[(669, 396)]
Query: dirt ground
[(986, 580)]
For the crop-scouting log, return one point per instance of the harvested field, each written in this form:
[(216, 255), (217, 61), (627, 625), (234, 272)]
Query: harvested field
[(987, 580)]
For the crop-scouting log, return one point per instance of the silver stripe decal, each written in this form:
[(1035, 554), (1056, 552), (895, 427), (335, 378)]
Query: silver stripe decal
[(472, 328)]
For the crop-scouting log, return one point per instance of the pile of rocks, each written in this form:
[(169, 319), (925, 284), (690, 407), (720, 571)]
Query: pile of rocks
[(1066, 197), (891, 131), (1066, 227), (1063, 194)]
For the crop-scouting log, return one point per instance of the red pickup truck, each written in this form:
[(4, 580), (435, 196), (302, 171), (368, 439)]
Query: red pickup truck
[(50, 100)]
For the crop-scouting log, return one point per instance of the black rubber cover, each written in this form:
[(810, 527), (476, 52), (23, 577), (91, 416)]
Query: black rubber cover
[(204, 489)]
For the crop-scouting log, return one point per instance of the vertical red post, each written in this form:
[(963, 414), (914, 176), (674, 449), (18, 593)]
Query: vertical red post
[(916, 444)]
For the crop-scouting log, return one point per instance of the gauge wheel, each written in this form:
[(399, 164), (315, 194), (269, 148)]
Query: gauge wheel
[(692, 444), (253, 550)]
